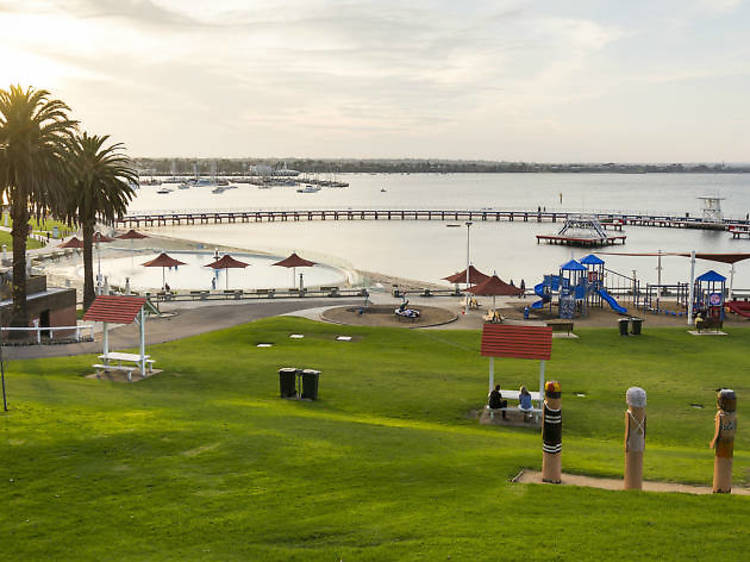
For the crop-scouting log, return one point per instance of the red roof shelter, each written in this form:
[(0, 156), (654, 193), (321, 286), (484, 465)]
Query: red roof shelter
[(519, 342), (114, 309)]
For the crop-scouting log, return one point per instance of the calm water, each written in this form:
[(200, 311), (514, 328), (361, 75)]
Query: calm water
[(430, 251)]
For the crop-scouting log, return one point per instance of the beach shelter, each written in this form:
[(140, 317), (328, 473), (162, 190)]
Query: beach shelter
[(520, 342), (227, 262), (475, 277), (164, 261), (74, 242), (116, 309), (293, 262), (495, 287)]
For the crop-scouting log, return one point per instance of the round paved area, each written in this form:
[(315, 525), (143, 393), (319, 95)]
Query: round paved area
[(383, 315)]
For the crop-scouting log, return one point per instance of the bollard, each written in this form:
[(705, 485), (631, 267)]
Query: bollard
[(635, 437), (552, 434), (723, 442)]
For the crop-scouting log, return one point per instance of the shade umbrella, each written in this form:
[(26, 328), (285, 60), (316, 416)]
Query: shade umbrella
[(131, 235), (475, 276), (494, 287), (227, 262), (97, 239), (163, 261), (74, 242), (294, 261)]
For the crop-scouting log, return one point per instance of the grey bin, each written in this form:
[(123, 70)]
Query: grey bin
[(623, 324), (288, 382), (635, 326), (310, 384)]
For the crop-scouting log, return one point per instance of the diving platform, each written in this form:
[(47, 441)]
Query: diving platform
[(582, 230)]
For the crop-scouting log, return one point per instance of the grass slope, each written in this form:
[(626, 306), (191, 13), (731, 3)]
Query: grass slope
[(205, 462)]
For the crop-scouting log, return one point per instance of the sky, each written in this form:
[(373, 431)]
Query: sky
[(575, 81)]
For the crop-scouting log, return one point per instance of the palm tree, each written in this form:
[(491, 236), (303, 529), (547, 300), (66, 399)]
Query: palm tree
[(101, 186), (34, 131)]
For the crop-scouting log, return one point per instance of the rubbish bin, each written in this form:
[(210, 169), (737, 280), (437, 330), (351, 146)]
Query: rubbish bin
[(635, 326), (288, 382), (310, 384), (623, 324)]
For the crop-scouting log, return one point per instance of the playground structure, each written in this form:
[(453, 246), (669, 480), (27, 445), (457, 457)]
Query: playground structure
[(708, 297), (578, 286)]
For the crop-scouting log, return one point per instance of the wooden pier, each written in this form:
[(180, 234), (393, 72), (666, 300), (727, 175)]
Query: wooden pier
[(580, 240), (609, 220)]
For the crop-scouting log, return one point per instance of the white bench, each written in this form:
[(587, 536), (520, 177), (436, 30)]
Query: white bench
[(101, 368)]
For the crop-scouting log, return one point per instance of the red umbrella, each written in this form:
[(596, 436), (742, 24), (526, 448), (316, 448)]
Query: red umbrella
[(163, 261), (228, 262), (494, 287), (99, 237), (72, 243), (131, 235), (475, 276), (294, 261)]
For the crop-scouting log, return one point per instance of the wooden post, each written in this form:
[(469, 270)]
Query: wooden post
[(635, 437), (723, 442), (552, 434)]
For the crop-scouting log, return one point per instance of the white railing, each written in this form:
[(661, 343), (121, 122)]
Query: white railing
[(79, 330)]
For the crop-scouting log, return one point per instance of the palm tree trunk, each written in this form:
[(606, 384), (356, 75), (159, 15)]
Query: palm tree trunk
[(88, 264), (20, 215)]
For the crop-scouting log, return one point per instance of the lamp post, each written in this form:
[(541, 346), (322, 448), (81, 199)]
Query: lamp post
[(468, 261)]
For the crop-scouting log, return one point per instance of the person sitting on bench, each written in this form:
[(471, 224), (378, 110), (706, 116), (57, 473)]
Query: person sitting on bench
[(524, 400), (496, 400)]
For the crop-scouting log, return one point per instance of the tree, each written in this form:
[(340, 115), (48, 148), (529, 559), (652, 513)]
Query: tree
[(34, 132), (101, 186)]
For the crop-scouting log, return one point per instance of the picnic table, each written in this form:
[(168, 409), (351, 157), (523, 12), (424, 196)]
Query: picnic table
[(113, 361), (534, 413)]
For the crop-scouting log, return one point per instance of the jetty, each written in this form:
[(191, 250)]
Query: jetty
[(583, 230), (608, 220)]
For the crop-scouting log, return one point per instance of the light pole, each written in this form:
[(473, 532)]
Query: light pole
[(468, 261)]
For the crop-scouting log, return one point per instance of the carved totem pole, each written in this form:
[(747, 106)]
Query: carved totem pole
[(723, 442), (552, 433), (635, 437)]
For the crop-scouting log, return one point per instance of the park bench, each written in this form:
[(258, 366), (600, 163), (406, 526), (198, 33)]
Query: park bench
[(561, 325), (332, 291), (102, 368), (514, 413), (265, 292), (202, 295), (236, 293)]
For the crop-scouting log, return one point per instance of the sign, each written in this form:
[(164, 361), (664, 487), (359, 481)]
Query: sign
[(715, 299)]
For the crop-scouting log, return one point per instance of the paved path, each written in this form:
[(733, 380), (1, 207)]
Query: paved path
[(186, 322)]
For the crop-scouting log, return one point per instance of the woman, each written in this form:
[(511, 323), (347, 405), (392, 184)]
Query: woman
[(524, 400)]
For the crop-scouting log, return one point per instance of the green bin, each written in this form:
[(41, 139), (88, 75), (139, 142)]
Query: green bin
[(288, 382), (635, 326), (310, 384)]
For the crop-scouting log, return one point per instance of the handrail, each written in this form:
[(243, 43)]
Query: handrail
[(51, 329)]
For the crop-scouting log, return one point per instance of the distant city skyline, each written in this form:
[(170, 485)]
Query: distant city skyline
[(544, 81)]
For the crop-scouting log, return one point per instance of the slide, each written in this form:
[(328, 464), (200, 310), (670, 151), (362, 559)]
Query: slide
[(612, 302), (539, 290), (740, 307)]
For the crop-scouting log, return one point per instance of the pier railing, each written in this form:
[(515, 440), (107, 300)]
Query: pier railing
[(608, 220)]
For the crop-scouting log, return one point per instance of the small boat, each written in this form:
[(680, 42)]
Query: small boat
[(184, 185), (163, 190), (309, 189), (218, 189), (382, 190)]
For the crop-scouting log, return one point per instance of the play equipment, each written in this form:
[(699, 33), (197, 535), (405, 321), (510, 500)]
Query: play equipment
[(708, 296), (740, 307), (404, 312), (635, 437), (578, 286)]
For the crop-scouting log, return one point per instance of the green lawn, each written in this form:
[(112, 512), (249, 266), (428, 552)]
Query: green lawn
[(5, 238), (205, 462)]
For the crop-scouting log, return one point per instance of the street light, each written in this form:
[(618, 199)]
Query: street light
[(468, 261)]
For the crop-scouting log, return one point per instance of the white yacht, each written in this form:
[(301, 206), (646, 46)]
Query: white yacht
[(309, 189)]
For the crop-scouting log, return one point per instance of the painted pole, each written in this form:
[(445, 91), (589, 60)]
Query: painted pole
[(635, 437), (723, 442), (691, 289), (552, 434)]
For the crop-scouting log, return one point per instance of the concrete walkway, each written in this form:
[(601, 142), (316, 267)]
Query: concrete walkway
[(186, 322)]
